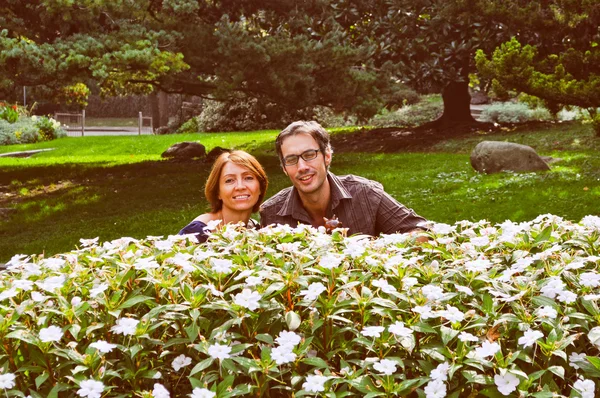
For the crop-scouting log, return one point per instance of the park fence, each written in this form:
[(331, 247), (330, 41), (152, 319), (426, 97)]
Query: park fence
[(75, 126)]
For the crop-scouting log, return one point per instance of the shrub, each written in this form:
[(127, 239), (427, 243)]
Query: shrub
[(428, 109), (9, 113), (508, 112), (478, 310), (30, 129)]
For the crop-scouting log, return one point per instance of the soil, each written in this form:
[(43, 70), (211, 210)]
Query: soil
[(400, 139)]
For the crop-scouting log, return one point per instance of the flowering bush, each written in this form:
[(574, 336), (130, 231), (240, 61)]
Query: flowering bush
[(479, 309), (30, 129), (9, 113)]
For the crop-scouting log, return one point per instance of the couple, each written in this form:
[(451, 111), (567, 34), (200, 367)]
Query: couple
[(237, 184)]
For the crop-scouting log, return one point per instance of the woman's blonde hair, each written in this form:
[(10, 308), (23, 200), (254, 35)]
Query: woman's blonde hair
[(241, 158)]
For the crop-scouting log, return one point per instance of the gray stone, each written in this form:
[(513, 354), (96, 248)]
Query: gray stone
[(495, 156), (185, 150), (214, 154)]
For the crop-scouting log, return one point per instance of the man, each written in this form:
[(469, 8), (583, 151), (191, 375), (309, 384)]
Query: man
[(361, 205)]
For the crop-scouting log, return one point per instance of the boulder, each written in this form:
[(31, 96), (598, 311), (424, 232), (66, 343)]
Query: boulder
[(214, 153), (185, 150), (495, 156)]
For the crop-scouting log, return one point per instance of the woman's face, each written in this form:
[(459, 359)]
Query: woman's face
[(239, 188)]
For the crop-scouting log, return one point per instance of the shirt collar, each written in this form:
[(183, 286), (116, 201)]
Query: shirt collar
[(293, 204)]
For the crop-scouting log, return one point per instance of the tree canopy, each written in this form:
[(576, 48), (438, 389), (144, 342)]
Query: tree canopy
[(349, 55)]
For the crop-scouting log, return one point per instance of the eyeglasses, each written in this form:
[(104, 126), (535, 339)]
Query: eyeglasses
[(307, 156)]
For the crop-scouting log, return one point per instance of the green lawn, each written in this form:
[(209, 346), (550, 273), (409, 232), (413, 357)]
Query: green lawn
[(118, 186)]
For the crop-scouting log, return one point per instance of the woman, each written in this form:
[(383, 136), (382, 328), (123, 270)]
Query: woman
[(235, 188)]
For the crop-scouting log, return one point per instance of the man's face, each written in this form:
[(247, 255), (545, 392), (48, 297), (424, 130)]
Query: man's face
[(307, 176)]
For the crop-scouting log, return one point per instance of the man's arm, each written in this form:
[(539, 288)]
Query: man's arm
[(393, 216)]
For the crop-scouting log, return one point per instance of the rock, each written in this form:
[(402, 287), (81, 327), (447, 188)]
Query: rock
[(479, 98), (215, 153), (185, 150), (495, 156)]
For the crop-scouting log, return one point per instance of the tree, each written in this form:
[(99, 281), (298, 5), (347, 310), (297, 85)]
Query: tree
[(563, 68), (209, 49)]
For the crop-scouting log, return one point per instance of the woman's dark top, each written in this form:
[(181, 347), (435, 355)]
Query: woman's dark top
[(199, 228)]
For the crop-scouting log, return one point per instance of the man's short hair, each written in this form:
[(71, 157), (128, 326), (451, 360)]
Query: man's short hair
[(314, 129)]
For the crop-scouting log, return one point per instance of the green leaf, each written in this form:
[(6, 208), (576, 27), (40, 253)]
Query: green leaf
[(23, 335), (200, 366), (536, 375), (543, 236), (448, 334), (130, 302), (41, 379), (265, 338), (315, 361), (558, 370)]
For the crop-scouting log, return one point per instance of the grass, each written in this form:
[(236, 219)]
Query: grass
[(118, 186)]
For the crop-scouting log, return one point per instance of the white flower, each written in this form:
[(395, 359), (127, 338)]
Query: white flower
[(103, 346), (384, 286), (10, 293), (589, 279), (443, 229), (90, 389), (288, 339), (51, 333), (487, 349), (52, 283), (424, 310), (75, 301), (591, 221), (465, 336), (125, 326), (435, 389), (441, 372), (213, 290), (283, 354), (23, 284), (452, 314), (356, 249), (254, 280), (409, 282), (480, 241), (553, 287), (399, 329), (314, 383), (432, 292), (530, 337), (372, 331), (145, 264), (181, 362), (465, 290), (546, 312), (575, 359), (157, 375), (160, 391), (182, 260), (221, 266), (247, 299), (7, 381), (585, 387), (89, 242), (218, 351), (202, 393), (507, 383), (98, 289), (566, 297), (385, 366), (38, 297), (479, 265), (313, 291), (330, 261), (289, 247)]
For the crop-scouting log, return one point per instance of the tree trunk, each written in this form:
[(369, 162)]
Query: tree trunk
[(457, 106), (160, 108)]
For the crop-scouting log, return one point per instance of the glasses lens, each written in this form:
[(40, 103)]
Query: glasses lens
[(290, 160), (310, 154)]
